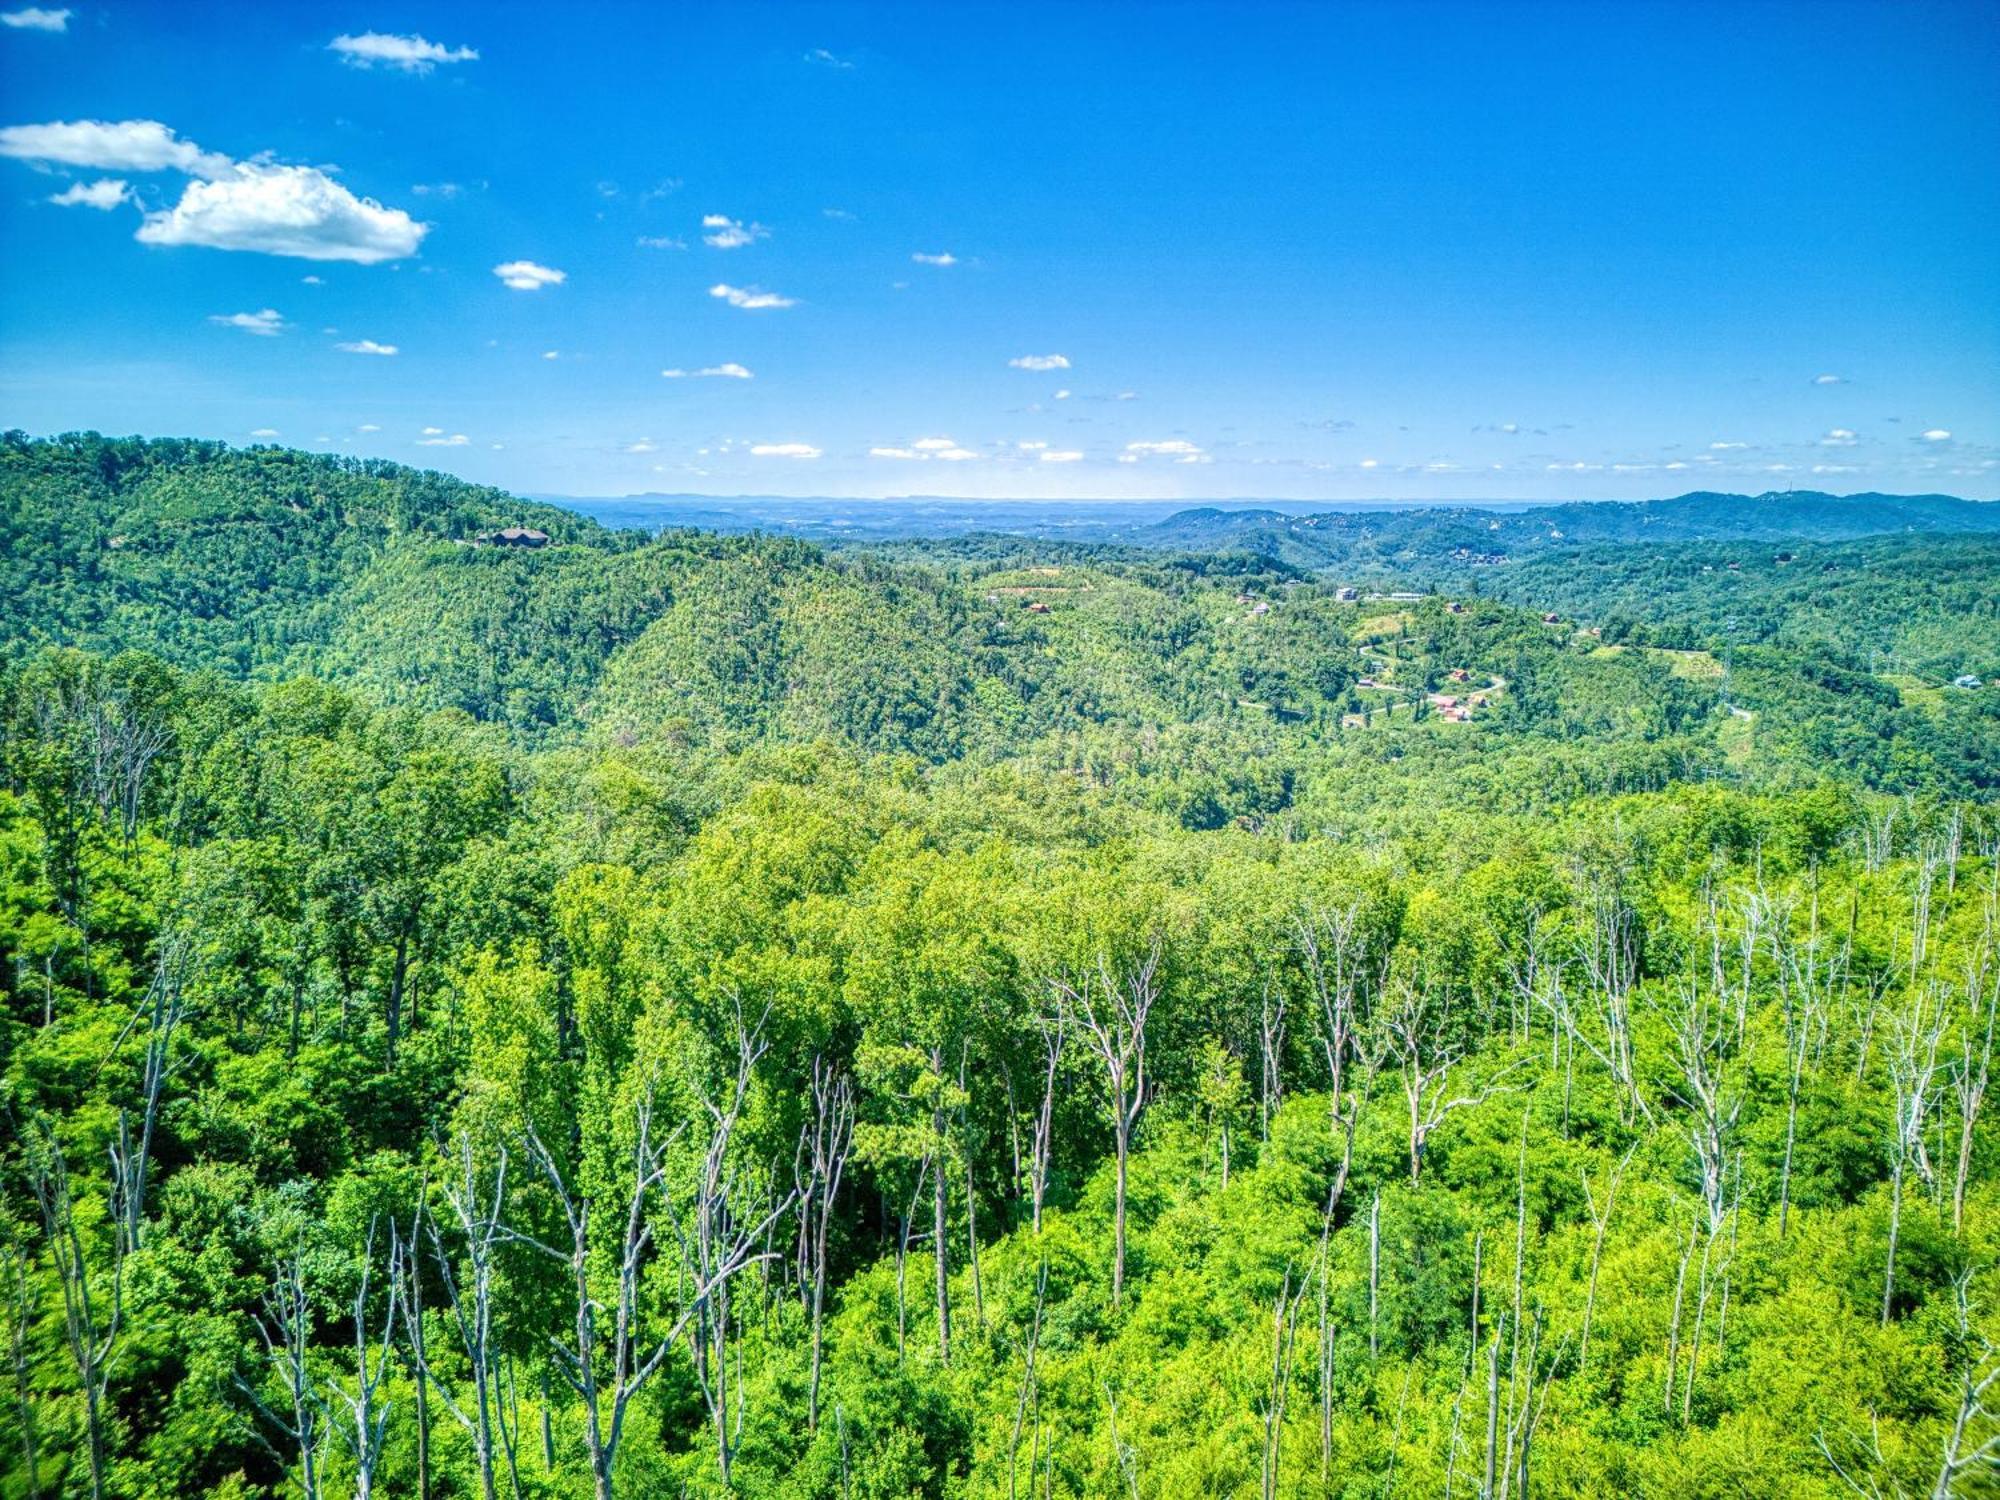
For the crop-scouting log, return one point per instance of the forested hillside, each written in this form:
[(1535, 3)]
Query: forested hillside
[(694, 1015)]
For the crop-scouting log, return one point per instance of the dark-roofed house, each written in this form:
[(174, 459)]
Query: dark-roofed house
[(516, 536)]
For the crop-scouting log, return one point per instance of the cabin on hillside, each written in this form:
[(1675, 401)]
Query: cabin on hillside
[(514, 536)]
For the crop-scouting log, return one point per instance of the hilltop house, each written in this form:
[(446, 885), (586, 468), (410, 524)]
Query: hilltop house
[(514, 536)]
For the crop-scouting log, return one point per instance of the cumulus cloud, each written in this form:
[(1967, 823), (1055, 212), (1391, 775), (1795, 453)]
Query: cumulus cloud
[(644, 445), (265, 324), (255, 205), (943, 258), (265, 432), (105, 193), (902, 453), (112, 146), (1829, 380), (942, 448), (434, 438), (1060, 456), (1726, 447), (35, 18), (369, 427), (783, 450), (933, 444), (526, 276), (729, 370), (1838, 437), (1040, 362), (1937, 435), (725, 233), (750, 297), (1180, 450), (365, 346), (404, 54), (1062, 395)]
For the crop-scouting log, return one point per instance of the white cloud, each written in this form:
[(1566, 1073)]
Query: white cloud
[(839, 214), (1829, 380), (437, 439), (661, 242), (725, 233), (552, 354), (1180, 450), (783, 450), (105, 193), (749, 297), (267, 432), (1675, 465), (406, 54), (644, 445), (526, 276), (729, 370), (365, 346), (265, 324), (955, 455), (1369, 463), (944, 258), (1726, 447), (1040, 362), (1838, 437), (34, 18), (1833, 468), (1031, 447), (311, 281), (933, 445), (433, 432), (369, 427), (278, 210), (1062, 395), (111, 146), (1060, 456), (825, 59), (1937, 435), (905, 453)]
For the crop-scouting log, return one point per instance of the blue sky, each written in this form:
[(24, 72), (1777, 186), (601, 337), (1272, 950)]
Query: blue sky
[(1329, 251)]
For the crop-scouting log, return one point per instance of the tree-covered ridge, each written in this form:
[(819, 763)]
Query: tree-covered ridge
[(714, 1016)]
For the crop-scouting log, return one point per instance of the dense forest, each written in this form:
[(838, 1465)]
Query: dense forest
[(683, 1014)]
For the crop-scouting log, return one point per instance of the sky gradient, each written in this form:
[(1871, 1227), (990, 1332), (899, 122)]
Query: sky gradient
[(1331, 251)]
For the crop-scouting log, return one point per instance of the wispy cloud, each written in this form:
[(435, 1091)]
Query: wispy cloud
[(1180, 450), (436, 437), (1829, 380), (35, 18), (661, 242), (727, 371), (1726, 447), (725, 233), (403, 54), (365, 346), (1838, 437), (1040, 362), (944, 449), (1937, 435), (820, 57), (105, 193), (644, 445), (750, 297), (1060, 456), (265, 324), (942, 258), (265, 432), (526, 276), (783, 450)]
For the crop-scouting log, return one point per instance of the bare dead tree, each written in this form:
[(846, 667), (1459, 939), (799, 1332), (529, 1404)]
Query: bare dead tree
[(1600, 1220), (1426, 1062), (1272, 1007), (367, 1407), (1806, 981), (1053, 1026), (716, 1236), (1335, 953), (1916, 1030), (479, 1212), (1609, 954), (822, 1159), (1974, 1444), (160, 1012), (1284, 1330), (1117, 1027), (1674, 1329), (409, 1295), (284, 1326), (1706, 1089), (1973, 1072), (1027, 1404), (91, 1328)]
